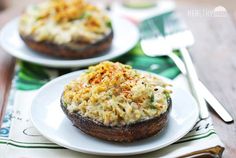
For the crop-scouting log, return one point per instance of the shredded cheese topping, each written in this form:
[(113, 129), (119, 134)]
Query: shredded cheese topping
[(65, 21), (115, 94)]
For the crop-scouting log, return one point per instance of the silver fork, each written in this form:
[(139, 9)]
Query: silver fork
[(157, 45), (171, 24), (181, 38)]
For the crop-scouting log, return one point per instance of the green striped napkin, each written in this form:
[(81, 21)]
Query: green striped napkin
[(31, 77)]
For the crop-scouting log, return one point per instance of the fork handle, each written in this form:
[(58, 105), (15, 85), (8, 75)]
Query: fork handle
[(193, 80), (178, 62), (209, 97)]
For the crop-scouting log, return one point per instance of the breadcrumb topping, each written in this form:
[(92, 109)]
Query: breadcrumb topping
[(116, 94), (65, 21)]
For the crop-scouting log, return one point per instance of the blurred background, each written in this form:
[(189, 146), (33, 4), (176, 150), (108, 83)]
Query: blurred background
[(228, 4)]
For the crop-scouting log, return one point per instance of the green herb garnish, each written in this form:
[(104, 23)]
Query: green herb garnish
[(152, 98), (109, 24), (167, 94), (85, 15), (152, 101), (65, 104)]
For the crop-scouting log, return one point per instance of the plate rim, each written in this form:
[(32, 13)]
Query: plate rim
[(107, 153), (50, 62)]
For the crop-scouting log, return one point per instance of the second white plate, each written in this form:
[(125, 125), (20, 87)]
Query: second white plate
[(49, 119), (126, 35)]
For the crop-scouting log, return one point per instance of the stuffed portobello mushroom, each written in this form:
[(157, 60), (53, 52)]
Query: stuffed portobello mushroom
[(114, 102), (70, 29)]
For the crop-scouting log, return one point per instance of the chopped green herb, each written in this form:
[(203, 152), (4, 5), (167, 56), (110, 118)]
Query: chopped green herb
[(152, 101), (87, 71), (152, 98), (85, 15), (152, 106), (109, 24), (65, 104), (128, 67), (167, 95)]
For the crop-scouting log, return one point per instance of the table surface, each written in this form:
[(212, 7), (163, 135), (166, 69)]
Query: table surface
[(212, 53)]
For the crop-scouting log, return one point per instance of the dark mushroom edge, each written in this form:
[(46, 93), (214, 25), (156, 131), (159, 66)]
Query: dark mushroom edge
[(127, 133), (70, 50)]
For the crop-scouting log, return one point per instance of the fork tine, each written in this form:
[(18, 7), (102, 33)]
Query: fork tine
[(173, 24), (153, 27), (152, 30)]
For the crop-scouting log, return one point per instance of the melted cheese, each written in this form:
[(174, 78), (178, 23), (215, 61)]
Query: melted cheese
[(116, 94), (64, 21)]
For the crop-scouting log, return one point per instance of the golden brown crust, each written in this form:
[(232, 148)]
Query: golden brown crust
[(71, 50), (127, 133)]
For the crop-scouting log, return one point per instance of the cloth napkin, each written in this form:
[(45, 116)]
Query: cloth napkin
[(19, 139)]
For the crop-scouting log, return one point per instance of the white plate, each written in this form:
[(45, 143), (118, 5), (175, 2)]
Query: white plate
[(126, 35), (49, 119)]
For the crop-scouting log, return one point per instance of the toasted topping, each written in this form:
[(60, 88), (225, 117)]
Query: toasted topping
[(65, 21), (116, 94)]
